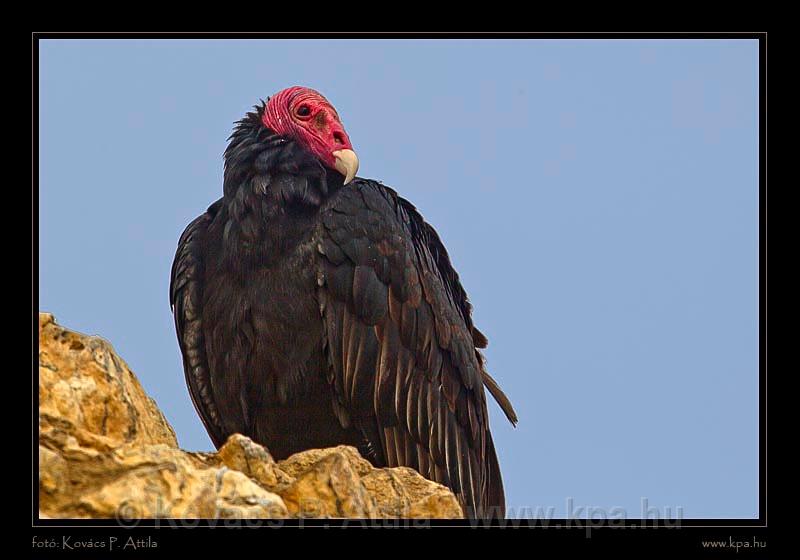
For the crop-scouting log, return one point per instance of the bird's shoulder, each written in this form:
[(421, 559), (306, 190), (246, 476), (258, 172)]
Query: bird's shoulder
[(188, 256), (373, 222)]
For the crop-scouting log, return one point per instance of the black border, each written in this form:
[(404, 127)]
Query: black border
[(561, 532)]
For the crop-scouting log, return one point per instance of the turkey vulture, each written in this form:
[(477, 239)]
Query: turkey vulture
[(314, 308)]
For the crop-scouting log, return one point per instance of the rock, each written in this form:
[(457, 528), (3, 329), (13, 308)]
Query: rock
[(162, 481), (338, 482), (303, 462), (87, 392), (403, 492), (106, 451), (243, 454), (330, 486)]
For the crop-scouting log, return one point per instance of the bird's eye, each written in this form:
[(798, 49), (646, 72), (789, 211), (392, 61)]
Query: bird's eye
[(303, 111)]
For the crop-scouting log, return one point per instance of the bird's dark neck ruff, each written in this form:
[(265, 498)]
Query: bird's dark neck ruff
[(264, 162), (272, 190)]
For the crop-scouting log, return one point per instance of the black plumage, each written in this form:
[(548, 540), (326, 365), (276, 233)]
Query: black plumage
[(311, 313)]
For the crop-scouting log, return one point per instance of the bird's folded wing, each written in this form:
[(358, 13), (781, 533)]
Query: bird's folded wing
[(185, 296), (400, 343)]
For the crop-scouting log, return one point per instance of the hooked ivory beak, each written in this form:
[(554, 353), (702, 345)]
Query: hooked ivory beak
[(346, 164)]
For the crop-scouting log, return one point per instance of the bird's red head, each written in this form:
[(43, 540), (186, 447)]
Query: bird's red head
[(306, 116)]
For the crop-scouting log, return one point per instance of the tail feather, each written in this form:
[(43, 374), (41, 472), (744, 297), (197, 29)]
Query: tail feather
[(500, 397)]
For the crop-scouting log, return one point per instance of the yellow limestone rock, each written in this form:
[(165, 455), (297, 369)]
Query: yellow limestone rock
[(329, 486), (106, 451), (87, 392), (243, 454)]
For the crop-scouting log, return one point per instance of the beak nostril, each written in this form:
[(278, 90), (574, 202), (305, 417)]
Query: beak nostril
[(338, 138)]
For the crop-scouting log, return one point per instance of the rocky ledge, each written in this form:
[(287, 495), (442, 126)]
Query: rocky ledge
[(107, 451)]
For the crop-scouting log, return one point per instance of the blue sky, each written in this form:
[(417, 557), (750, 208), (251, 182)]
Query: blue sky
[(599, 199)]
